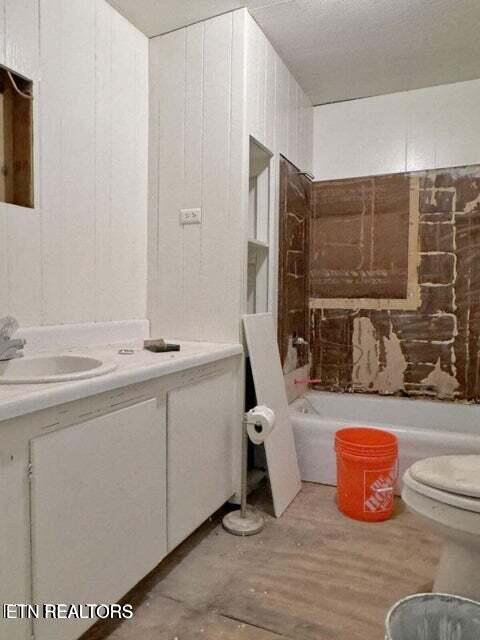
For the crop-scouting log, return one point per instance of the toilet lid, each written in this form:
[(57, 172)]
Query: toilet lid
[(443, 497), (455, 474)]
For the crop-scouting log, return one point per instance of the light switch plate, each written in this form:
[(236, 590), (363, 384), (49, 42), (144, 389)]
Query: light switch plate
[(191, 216)]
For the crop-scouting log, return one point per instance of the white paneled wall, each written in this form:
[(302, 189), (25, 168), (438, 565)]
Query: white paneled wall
[(410, 131), (80, 255), (211, 86), (280, 115), (197, 159)]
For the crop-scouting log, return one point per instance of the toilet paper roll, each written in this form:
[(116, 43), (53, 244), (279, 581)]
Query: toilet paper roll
[(260, 422)]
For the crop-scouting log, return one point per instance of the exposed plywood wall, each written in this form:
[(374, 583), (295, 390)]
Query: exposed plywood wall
[(197, 159), (293, 314), (16, 139), (80, 255), (349, 219), (429, 351)]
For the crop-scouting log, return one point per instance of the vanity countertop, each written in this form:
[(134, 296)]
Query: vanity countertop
[(142, 365)]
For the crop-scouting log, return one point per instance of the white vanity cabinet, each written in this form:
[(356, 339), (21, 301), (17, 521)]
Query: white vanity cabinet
[(201, 430), (94, 493), (98, 510)]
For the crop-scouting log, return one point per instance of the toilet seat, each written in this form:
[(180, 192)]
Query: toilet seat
[(453, 517), (466, 503), (450, 480), (456, 474)]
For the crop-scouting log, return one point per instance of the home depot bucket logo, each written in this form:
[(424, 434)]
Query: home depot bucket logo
[(378, 489)]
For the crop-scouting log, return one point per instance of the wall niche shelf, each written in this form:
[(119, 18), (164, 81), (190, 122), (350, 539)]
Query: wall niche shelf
[(258, 243), (258, 228)]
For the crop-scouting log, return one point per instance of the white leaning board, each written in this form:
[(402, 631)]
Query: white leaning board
[(270, 390)]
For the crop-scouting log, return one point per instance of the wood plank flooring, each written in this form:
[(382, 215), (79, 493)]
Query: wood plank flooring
[(313, 574)]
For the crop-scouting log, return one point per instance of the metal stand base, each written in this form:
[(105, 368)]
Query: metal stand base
[(248, 525)]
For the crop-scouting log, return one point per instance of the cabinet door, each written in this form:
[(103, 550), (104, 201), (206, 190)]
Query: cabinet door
[(200, 421), (98, 510)]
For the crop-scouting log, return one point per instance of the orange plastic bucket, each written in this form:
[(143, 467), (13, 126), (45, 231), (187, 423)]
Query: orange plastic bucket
[(367, 469)]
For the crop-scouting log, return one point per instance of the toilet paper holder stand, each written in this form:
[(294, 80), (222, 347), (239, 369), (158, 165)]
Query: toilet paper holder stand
[(244, 521)]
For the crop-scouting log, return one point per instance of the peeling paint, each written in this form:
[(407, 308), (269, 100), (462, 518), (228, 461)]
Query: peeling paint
[(365, 343), (422, 346), (444, 383), (472, 205), (391, 378), (367, 372)]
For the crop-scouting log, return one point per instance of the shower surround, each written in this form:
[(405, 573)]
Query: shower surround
[(394, 271)]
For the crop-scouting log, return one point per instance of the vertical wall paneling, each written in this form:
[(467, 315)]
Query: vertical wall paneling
[(103, 160), (306, 133), (68, 138), (3, 258), (193, 171), (457, 124), (20, 238), (21, 36), (239, 172), (129, 170), (421, 128), (292, 120), (212, 86), (168, 296), (217, 293), (80, 254), (261, 62), (138, 300), (196, 156), (3, 207), (3, 39), (270, 98), (279, 116), (417, 130), (51, 170), (23, 251), (282, 106), (153, 238), (78, 170)]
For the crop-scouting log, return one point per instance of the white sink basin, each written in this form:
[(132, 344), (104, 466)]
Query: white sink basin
[(41, 369)]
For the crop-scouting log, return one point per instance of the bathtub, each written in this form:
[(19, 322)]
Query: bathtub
[(424, 428)]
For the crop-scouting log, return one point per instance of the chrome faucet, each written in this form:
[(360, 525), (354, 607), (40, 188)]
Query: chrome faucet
[(10, 347)]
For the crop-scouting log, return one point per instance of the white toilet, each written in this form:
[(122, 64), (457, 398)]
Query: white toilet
[(445, 492)]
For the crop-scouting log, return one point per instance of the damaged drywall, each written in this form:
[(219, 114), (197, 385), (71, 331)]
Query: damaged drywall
[(293, 317), (371, 371), (444, 383), (426, 349)]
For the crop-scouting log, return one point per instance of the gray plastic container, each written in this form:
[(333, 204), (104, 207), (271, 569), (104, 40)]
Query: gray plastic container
[(434, 616)]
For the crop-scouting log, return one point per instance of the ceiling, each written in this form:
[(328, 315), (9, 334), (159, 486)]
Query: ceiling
[(346, 49)]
